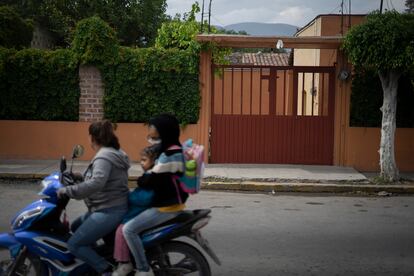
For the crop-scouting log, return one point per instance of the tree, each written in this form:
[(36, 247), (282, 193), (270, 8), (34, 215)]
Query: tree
[(181, 34), (231, 32), (95, 42), (410, 6), (135, 21), (385, 43), (14, 31)]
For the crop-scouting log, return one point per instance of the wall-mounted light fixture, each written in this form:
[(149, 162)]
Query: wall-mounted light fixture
[(343, 74), (279, 44)]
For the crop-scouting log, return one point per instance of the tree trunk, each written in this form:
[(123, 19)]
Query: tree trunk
[(389, 81)]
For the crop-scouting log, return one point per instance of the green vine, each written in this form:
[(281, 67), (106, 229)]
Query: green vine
[(39, 85), (95, 42), (148, 81), (367, 96)]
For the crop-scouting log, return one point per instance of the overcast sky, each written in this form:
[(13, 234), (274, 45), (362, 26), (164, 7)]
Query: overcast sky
[(295, 12)]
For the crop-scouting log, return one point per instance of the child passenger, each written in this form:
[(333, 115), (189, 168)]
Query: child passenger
[(138, 200), (169, 198)]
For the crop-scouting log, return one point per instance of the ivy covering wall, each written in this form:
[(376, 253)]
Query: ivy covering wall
[(367, 98), (139, 83), (146, 82), (39, 85)]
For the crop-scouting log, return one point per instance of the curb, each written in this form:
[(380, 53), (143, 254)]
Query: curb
[(39, 176), (288, 186), (249, 186)]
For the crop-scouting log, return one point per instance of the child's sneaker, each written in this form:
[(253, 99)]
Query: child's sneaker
[(144, 273), (123, 269)]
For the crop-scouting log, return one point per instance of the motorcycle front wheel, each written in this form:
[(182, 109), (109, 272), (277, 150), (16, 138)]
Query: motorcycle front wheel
[(178, 258), (28, 265)]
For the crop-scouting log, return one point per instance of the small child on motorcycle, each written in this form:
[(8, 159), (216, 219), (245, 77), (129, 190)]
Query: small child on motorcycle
[(138, 200), (169, 199)]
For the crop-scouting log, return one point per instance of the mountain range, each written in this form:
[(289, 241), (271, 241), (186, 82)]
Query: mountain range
[(255, 28)]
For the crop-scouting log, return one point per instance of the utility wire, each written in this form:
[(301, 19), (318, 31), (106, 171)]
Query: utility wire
[(392, 5), (339, 5)]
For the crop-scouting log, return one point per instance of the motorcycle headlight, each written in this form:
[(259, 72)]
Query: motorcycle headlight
[(26, 215)]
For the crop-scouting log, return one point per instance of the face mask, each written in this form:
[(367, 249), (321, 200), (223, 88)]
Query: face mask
[(153, 141)]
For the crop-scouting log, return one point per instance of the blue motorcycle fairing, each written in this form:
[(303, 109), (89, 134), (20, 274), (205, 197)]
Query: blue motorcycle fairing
[(8, 240), (35, 210), (153, 235), (51, 184), (45, 246)]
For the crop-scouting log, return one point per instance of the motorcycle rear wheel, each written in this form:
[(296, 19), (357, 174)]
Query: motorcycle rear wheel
[(179, 258), (29, 266)]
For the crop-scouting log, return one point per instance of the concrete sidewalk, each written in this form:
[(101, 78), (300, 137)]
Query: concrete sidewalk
[(242, 177)]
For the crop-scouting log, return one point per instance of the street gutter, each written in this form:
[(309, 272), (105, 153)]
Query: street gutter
[(273, 185)]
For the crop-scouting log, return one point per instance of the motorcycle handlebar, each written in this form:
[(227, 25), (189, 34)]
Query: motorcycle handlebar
[(68, 179)]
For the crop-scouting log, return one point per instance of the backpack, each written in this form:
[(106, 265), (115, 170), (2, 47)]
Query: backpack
[(193, 153)]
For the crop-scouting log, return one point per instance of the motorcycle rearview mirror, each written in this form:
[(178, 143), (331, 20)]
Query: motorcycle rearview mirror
[(77, 151), (63, 164)]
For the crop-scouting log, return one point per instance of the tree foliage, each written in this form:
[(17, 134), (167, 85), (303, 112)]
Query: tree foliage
[(385, 42), (15, 32), (181, 34), (95, 42), (410, 6), (231, 32), (366, 100), (135, 21), (39, 85)]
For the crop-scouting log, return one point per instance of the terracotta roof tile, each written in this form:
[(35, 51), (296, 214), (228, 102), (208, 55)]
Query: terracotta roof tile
[(269, 59)]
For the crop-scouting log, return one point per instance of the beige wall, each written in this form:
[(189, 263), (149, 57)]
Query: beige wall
[(324, 26), (362, 145), (331, 25), (308, 57), (51, 140)]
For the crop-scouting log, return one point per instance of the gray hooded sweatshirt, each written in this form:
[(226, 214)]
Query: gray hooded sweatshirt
[(105, 182)]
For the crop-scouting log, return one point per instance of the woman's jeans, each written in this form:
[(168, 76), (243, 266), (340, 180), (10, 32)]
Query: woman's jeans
[(91, 227), (147, 219)]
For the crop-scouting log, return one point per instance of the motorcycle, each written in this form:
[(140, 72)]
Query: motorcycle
[(37, 244)]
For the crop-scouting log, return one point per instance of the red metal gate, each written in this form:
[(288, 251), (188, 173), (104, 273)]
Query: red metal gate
[(274, 115)]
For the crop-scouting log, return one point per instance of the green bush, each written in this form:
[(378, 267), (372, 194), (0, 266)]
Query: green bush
[(367, 98), (149, 81), (95, 42), (15, 32), (139, 83), (39, 85)]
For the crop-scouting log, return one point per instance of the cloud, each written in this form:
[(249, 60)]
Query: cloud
[(295, 12), (245, 15), (295, 15), (178, 6)]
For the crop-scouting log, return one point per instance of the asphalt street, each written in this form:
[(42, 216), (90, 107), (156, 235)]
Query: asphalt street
[(287, 234)]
